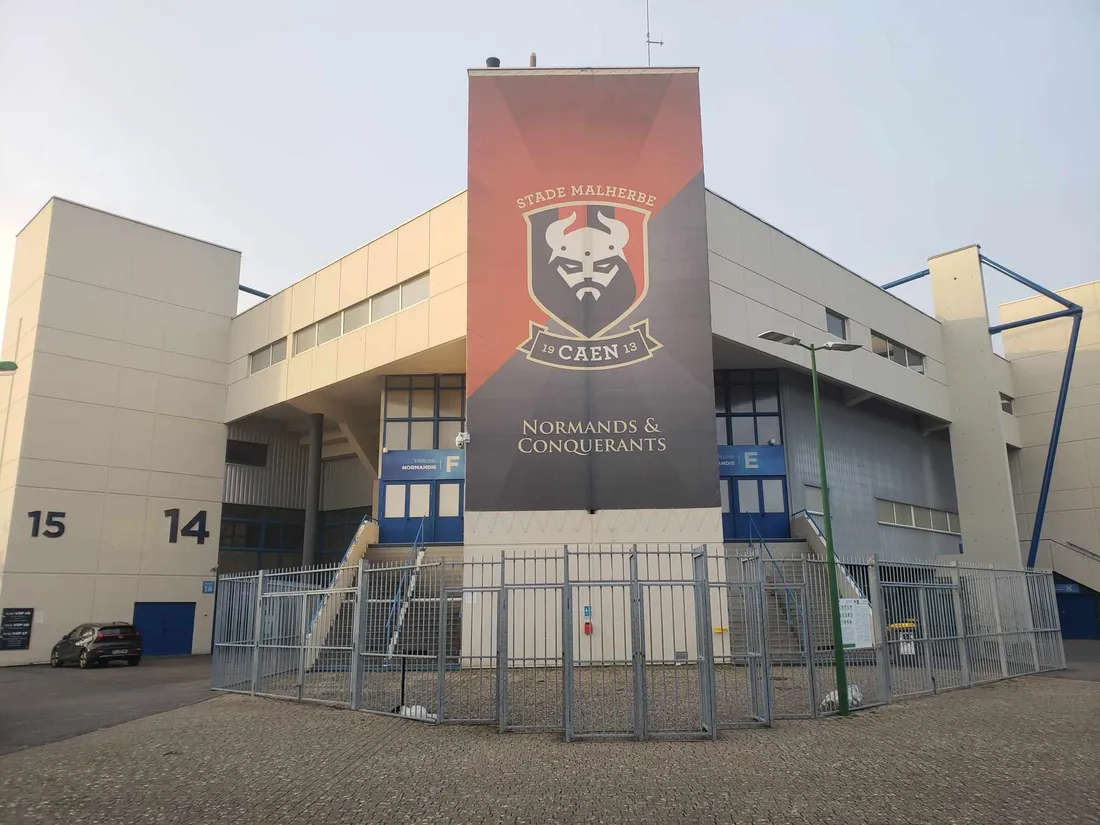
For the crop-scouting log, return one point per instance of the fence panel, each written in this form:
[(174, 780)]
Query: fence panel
[(234, 633), (662, 641)]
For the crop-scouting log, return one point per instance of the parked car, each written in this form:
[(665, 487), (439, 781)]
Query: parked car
[(99, 643)]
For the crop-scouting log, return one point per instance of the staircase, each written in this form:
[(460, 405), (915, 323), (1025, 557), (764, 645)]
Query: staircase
[(1069, 560)]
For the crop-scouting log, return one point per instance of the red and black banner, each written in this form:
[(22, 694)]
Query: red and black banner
[(589, 364)]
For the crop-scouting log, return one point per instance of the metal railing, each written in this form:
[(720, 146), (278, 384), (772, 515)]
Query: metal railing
[(643, 641)]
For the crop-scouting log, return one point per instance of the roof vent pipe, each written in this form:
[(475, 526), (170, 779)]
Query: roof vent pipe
[(532, 62), (492, 62)]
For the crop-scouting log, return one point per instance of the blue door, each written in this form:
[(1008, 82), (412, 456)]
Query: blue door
[(759, 508), (166, 627), (409, 507), (405, 505), (1080, 615), (447, 507)]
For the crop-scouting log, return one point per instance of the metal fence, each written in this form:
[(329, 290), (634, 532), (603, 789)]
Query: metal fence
[(643, 642)]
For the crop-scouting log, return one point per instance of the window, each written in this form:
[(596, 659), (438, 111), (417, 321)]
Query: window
[(746, 407), (748, 495), (263, 358), (356, 316), (414, 291), (724, 493), (305, 339), (419, 500), (328, 329), (1006, 403), (248, 453), (814, 504), (449, 500), (385, 304), (774, 501), (836, 325), (900, 514), (395, 501), (424, 412), (898, 353)]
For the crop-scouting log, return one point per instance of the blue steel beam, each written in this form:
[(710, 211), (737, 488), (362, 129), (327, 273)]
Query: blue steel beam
[(1071, 310), (1056, 431), (915, 276), (252, 291), (1042, 290), (1050, 316)]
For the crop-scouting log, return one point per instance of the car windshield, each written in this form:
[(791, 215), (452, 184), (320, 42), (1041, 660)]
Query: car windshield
[(117, 630)]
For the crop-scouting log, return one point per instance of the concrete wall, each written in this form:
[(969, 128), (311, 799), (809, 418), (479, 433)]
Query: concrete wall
[(121, 331), (434, 242), (1037, 354), (762, 279), (873, 451), (975, 378)]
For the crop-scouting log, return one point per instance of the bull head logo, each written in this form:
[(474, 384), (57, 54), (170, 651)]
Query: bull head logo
[(587, 258), (579, 273)]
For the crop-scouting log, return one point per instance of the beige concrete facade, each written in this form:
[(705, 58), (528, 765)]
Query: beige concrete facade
[(978, 441), (116, 414), (132, 363), (1038, 354)]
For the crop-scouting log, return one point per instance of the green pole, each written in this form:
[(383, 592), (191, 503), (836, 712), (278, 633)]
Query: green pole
[(830, 557)]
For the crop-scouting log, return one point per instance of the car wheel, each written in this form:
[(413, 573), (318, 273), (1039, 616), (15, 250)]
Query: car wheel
[(84, 662), (55, 660), (134, 662)]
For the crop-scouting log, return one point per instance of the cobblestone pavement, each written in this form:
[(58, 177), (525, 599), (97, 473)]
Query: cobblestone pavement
[(1022, 751)]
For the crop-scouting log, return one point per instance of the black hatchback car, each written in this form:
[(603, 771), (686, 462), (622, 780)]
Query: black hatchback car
[(99, 643)]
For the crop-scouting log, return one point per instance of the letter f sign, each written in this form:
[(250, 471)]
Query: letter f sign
[(452, 462)]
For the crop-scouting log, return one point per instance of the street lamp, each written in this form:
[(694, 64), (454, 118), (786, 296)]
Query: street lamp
[(830, 556), (8, 366)]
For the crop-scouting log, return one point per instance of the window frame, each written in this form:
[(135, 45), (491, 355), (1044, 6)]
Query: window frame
[(898, 353), (833, 315)]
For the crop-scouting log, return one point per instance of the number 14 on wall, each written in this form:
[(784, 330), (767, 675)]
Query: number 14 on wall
[(195, 528)]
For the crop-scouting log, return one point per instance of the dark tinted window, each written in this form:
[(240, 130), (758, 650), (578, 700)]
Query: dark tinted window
[(118, 630), (245, 452)]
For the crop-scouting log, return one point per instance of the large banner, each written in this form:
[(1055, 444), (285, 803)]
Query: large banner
[(589, 364)]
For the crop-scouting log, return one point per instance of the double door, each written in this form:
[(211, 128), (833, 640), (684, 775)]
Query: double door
[(754, 507), (406, 505)]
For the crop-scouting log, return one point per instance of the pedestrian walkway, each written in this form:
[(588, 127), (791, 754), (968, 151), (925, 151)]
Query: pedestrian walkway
[(1017, 751)]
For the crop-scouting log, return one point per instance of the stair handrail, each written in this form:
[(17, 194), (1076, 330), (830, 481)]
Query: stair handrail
[(809, 517), (1075, 548), (786, 590), (403, 593), (336, 573)]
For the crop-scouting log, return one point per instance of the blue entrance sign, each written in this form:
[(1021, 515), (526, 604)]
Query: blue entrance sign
[(207, 587), (762, 460), (423, 465), (1067, 587)]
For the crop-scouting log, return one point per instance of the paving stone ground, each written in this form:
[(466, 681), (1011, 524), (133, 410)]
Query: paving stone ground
[(1022, 751)]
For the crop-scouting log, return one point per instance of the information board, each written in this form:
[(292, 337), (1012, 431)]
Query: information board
[(855, 623), (15, 628)]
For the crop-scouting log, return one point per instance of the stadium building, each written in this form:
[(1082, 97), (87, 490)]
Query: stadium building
[(566, 353)]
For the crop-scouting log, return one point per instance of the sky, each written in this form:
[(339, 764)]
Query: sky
[(879, 133)]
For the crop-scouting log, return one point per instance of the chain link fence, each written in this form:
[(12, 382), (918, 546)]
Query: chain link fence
[(642, 642)]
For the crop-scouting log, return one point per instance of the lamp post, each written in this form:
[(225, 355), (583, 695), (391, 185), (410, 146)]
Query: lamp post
[(830, 555)]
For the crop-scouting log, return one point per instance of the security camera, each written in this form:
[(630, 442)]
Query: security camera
[(461, 440)]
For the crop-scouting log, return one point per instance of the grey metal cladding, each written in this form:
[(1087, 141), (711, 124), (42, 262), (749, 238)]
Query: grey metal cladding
[(873, 451)]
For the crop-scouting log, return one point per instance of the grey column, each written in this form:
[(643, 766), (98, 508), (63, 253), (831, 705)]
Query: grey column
[(313, 489)]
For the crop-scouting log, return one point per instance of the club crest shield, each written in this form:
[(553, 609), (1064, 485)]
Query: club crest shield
[(588, 270)]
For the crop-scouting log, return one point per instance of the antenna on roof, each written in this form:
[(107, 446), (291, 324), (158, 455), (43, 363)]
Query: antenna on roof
[(649, 41)]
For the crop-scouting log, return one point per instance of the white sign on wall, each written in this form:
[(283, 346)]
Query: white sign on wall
[(855, 623)]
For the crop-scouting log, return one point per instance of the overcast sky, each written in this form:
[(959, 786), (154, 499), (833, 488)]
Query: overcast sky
[(877, 132)]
